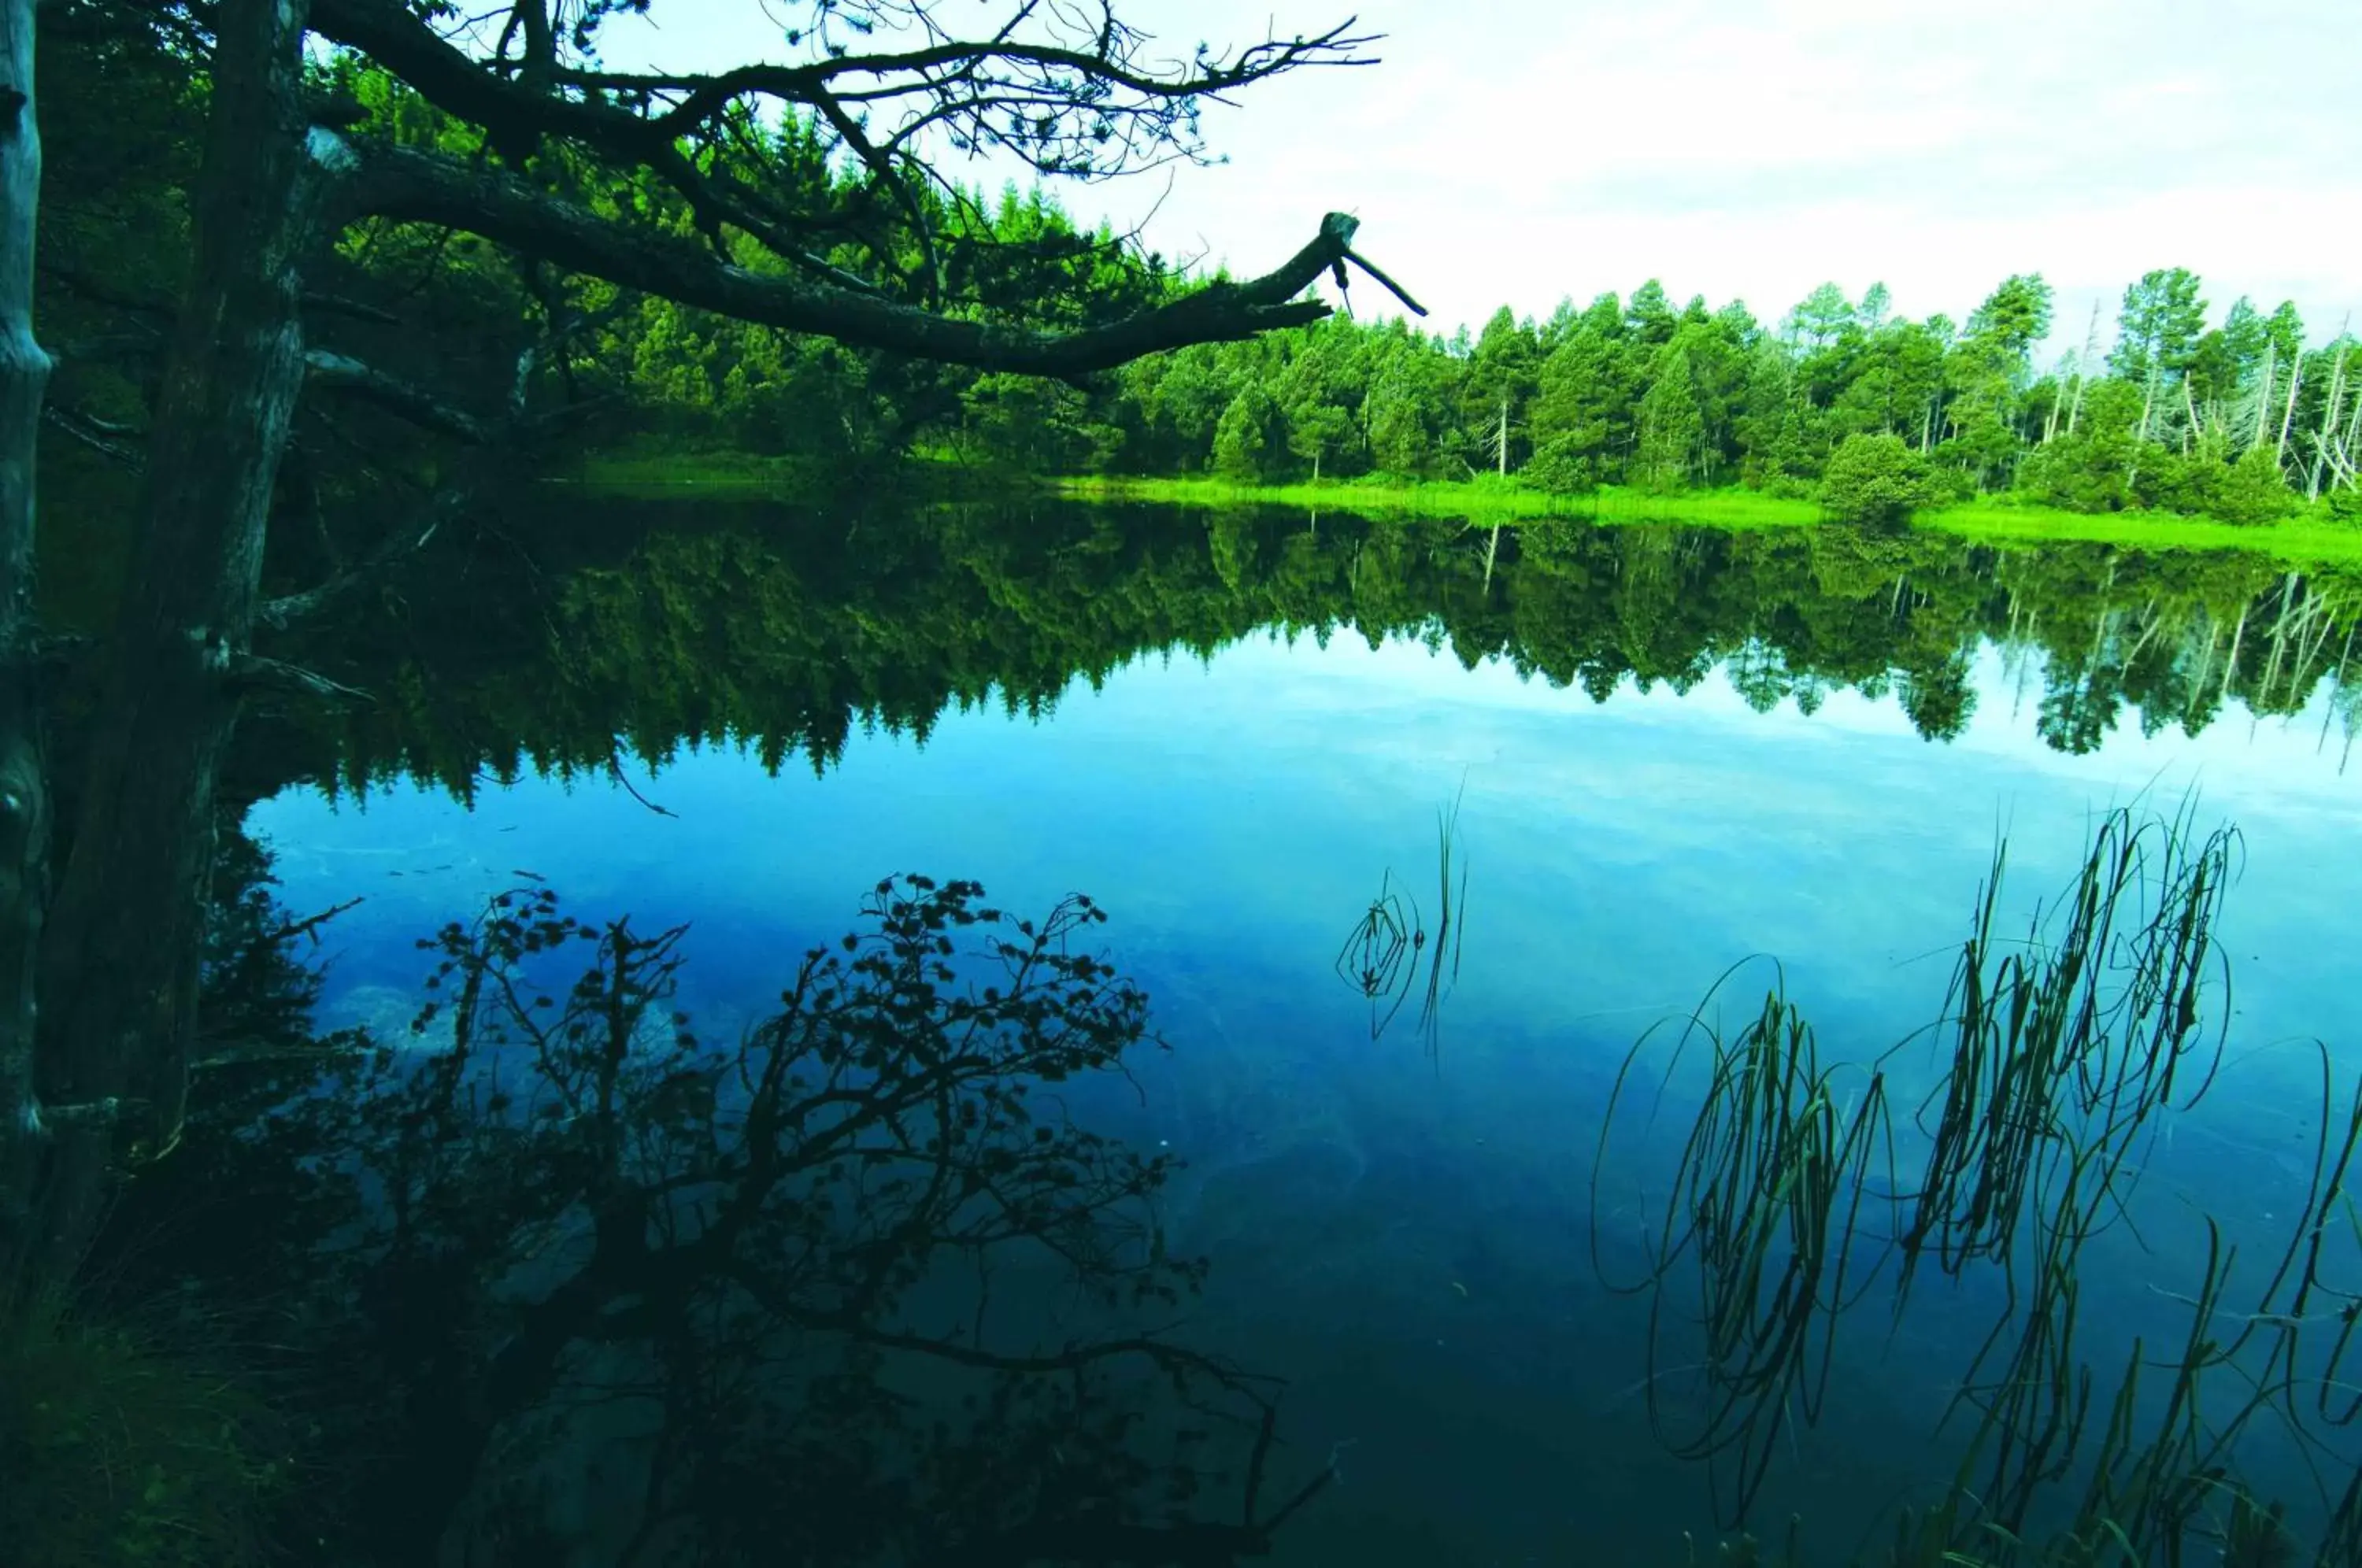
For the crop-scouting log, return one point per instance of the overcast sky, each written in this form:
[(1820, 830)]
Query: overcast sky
[(1520, 152)]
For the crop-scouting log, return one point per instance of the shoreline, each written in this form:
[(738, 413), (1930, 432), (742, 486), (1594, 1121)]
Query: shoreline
[(2299, 539)]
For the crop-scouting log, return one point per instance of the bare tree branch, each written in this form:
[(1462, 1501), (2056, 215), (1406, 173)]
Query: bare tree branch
[(1067, 94), (339, 372), (101, 436), (1081, 81), (253, 672), (336, 305), (514, 424), (309, 925), (400, 183)]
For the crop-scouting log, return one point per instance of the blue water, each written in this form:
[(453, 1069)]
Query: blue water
[(1404, 1234)]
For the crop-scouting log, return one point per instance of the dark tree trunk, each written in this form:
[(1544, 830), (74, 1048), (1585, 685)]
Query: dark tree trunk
[(24, 802), (116, 957), (119, 967)]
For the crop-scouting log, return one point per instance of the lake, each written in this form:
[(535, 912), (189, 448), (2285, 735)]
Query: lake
[(1657, 754)]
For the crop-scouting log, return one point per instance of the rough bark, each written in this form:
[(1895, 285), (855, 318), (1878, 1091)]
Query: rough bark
[(24, 800), (120, 960)]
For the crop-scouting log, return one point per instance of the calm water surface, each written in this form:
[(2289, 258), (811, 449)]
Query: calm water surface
[(1400, 1224)]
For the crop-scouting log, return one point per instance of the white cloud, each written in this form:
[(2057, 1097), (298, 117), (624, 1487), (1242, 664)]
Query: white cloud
[(1521, 151)]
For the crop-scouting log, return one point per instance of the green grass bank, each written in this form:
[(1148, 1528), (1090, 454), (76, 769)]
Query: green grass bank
[(2310, 537), (2305, 538)]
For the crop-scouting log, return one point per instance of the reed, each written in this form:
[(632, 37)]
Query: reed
[(1375, 958), (1450, 922), (1766, 1197), (2065, 1045), (1390, 946), (2058, 1052)]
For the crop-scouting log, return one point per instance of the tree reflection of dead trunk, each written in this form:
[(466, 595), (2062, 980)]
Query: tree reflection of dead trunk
[(2279, 635), (2231, 659)]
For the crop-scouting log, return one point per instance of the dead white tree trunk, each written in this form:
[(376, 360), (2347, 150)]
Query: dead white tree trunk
[(2288, 415), (2342, 459), (2329, 413), (2140, 436), (2264, 394), (2083, 367), (2231, 660)]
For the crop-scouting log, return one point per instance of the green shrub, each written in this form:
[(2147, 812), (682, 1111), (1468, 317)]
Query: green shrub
[(1876, 478), (1949, 486), (2166, 480), (113, 1451), (1560, 468), (2078, 473), (2252, 490)]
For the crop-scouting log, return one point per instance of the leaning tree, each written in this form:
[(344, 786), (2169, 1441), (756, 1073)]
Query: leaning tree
[(101, 911)]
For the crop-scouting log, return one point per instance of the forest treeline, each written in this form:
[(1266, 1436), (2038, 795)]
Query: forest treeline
[(2240, 420), (452, 328), (724, 623)]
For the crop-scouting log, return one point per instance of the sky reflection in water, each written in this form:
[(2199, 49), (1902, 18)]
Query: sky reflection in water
[(1405, 1238)]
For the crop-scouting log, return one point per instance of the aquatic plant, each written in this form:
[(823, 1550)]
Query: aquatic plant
[(2065, 1044), (1380, 953), (2058, 1054), (1767, 1195), (1375, 958), (2153, 1481), (1450, 920)]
